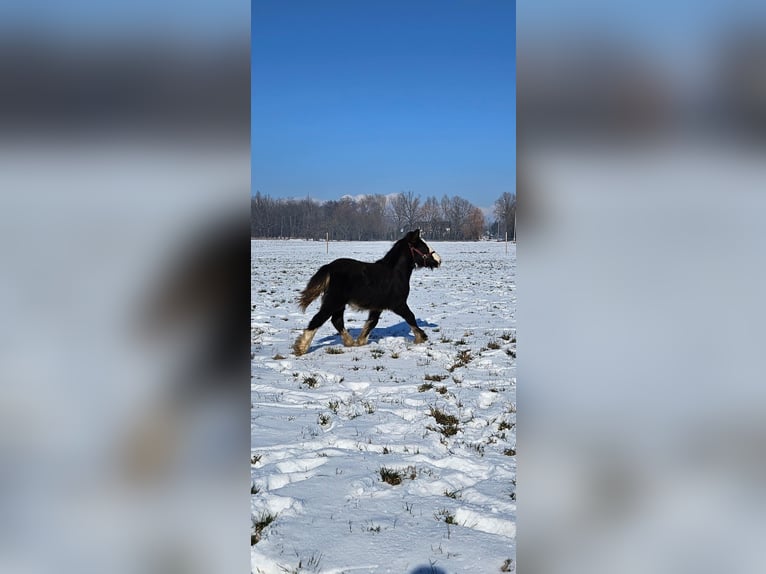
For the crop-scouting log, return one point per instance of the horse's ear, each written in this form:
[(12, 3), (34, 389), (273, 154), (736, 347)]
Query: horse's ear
[(413, 236)]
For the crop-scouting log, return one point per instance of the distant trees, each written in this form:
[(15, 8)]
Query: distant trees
[(372, 215), (405, 209), (378, 216), (505, 214), (430, 215), (473, 226), (457, 210), (306, 218)]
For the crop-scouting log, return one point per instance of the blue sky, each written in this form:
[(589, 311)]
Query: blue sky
[(193, 22), (382, 96)]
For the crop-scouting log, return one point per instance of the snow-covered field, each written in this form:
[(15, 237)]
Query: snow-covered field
[(436, 420)]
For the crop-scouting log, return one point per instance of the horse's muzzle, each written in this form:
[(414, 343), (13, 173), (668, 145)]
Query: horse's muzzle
[(432, 261)]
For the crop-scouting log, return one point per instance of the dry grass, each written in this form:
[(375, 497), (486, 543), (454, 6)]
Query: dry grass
[(463, 358), (310, 382), (445, 515), (447, 422), (259, 524), (394, 476)]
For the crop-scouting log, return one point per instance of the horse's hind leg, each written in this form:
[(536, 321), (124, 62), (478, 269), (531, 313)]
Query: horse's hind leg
[(369, 325), (302, 343), (337, 321), (406, 313)]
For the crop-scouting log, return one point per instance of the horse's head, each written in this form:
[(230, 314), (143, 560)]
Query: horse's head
[(422, 254)]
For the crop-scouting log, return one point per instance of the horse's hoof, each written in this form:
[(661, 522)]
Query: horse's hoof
[(420, 339)]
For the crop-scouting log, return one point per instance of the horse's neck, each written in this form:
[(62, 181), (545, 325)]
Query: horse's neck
[(404, 265), (393, 256), (399, 261)]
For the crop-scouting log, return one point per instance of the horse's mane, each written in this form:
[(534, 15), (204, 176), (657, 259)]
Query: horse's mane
[(394, 253)]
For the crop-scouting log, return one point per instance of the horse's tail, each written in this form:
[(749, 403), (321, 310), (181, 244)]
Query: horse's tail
[(316, 286)]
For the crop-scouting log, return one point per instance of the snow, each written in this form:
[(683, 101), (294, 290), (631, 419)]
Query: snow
[(325, 424)]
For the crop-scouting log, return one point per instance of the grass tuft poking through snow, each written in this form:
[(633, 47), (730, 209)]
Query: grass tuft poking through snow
[(310, 382), (463, 358), (259, 524), (508, 566), (448, 423), (394, 477), (445, 516)]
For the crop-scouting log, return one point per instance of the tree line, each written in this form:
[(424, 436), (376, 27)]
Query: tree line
[(380, 217)]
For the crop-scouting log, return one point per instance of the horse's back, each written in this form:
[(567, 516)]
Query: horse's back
[(353, 279), (346, 261), (347, 266)]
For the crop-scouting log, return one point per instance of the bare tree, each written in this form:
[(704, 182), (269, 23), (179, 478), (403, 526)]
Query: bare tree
[(413, 210), (505, 212), (473, 227), (372, 210), (456, 211), (406, 210), (444, 205), (262, 215), (430, 214)]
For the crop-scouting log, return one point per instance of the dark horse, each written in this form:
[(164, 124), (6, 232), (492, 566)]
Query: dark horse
[(384, 284)]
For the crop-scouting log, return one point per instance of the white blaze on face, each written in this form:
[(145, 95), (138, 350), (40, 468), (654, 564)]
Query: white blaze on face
[(433, 254)]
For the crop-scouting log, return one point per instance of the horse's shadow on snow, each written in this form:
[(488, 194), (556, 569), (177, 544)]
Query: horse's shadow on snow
[(401, 329)]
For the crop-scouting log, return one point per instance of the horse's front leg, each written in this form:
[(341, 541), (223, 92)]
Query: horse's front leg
[(337, 321), (406, 313)]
